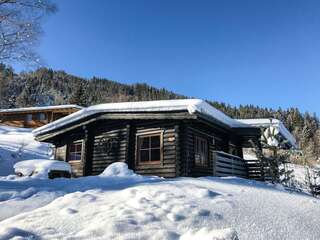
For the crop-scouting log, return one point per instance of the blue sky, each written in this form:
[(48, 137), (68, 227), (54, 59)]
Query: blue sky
[(264, 52)]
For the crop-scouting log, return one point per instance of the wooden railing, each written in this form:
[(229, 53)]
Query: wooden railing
[(229, 165), (256, 171)]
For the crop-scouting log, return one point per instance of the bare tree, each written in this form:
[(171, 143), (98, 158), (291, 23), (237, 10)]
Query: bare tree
[(20, 29)]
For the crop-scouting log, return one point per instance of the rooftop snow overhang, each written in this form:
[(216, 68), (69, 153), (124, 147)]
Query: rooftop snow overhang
[(194, 107)]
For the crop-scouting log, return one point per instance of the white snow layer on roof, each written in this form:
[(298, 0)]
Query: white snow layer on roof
[(190, 105), (40, 108), (267, 122)]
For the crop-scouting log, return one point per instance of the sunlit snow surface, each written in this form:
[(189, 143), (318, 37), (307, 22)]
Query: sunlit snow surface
[(123, 205)]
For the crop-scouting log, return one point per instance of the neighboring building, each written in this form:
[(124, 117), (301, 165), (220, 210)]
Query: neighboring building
[(33, 117), (168, 138)]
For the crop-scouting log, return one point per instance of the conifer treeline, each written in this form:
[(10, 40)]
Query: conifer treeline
[(48, 87)]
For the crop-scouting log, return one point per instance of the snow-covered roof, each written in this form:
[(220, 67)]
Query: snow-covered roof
[(191, 105), (39, 108), (267, 122)]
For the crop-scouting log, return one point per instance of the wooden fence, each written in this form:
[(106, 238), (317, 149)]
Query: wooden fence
[(229, 165)]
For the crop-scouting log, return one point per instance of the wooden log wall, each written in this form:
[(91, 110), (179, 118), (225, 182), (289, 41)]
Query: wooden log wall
[(110, 144)]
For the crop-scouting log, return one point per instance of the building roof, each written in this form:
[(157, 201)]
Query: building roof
[(192, 106), (272, 122), (27, 109)]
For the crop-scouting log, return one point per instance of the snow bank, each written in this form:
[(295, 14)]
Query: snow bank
[(40, 168), (118, 169), (17, 144), (144, 208), (190, 105)]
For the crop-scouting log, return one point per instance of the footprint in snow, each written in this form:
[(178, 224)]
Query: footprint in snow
[(218, 216), (204, 213), (205, 193), (89, 197), (175, 217), (69, 211)]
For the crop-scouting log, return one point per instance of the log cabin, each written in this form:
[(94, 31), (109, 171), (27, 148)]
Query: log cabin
[(168, 138), (33, 117)]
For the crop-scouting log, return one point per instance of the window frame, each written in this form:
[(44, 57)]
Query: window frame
[(81, 154), (203, 163), (138, 149)]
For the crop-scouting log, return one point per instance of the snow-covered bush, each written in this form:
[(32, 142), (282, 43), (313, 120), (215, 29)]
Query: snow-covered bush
[(41, 168), (118, 169)]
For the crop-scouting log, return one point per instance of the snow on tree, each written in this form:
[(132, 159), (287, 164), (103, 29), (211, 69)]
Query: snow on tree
[(20, 29)]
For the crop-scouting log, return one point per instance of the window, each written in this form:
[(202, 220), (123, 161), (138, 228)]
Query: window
[(200, 152), (149, 148), (75, 152), (28, 118), (41, 117)]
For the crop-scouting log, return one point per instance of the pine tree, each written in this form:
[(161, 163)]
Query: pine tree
[(273, 165), (79, 96)]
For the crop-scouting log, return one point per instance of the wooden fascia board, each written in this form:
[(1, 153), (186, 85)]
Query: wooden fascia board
[(147, 116)]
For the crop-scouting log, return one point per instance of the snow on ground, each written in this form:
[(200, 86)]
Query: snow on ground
[(300, 173), (18, 144), (123, 205)]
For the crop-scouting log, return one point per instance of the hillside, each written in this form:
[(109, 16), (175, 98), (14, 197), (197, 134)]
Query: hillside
[(118, 203), (48, 87)]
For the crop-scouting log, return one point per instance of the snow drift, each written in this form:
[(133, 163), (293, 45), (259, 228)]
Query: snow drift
[(122, 205), (118, 169)]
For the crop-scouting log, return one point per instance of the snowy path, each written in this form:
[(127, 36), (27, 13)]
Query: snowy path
[(153, 208)]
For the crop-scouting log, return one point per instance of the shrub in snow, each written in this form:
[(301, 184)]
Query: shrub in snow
[(42, 168), (118, 169), (278, 155)]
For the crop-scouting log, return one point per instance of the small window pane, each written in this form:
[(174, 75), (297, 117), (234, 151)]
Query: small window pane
[(75, 151), (42, 116), (155, 155), (144, 142), (29, 117), (144, 155), (72, 148), (155, 142), (72, 156), (79, 147)]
